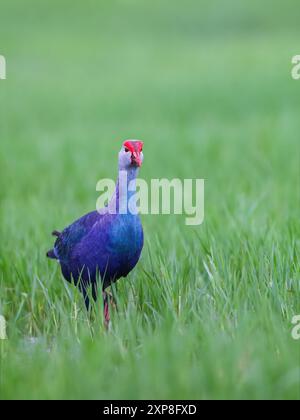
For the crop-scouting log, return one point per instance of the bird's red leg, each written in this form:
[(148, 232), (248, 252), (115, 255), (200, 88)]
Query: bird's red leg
[(112, 300), (106, 310)]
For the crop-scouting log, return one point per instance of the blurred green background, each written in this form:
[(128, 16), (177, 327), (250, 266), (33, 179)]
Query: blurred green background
[(207, 85)]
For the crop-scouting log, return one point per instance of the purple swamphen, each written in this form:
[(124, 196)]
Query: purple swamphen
[(106, 244)]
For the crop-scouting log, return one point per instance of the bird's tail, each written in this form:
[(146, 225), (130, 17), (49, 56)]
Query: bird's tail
[(51, 254), (56, 233)]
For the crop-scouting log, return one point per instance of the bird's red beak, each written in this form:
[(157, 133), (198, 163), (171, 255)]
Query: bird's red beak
[(135, 147), (136, 159)]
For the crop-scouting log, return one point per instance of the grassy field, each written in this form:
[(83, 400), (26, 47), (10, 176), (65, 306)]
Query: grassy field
[(207, 85)]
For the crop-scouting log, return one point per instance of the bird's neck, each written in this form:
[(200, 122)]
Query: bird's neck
[(123, 200)]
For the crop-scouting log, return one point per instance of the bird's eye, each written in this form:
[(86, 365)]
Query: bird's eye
[(126, 150)]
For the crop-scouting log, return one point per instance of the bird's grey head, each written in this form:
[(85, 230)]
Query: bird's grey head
[(131, 155)]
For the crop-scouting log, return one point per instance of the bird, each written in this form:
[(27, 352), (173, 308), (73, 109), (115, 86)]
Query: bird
[(104, 245)]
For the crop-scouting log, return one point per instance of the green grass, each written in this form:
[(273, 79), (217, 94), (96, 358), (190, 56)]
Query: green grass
[(207, 313)]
